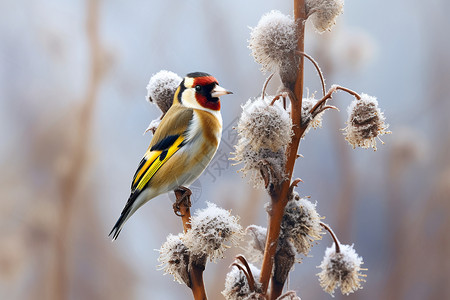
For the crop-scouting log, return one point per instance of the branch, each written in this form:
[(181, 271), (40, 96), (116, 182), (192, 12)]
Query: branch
[(182, 209), (265, 85), (280, 197), (316, 65), (335, 239), (329, 95)]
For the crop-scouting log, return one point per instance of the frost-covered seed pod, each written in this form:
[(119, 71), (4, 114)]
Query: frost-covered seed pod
[(365, 123), (264, 125), (274, 43), (284, 260), (254, 159), (257, 243), (161, 89), (301, 224), (290, 295), (174, 258), (264, 131), (307, 105), (324, 13), (236, 285), (341, 269), (211, 229)]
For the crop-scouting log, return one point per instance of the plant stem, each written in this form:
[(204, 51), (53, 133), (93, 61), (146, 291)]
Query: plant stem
[(182, 208), (280, 196), (335, 239), (319, 71)]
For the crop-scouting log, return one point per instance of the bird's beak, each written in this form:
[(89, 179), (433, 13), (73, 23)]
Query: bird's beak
[(219, 91)]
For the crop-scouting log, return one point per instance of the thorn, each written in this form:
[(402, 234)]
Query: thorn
[(296, 182)]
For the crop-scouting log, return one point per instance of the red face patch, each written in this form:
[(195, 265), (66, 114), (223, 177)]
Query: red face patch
[(203, 95), (205, 80)]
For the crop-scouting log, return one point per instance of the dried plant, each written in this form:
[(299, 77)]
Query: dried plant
[(269, 133)]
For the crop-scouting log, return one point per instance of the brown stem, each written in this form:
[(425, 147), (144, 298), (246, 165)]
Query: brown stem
[(328, 95), (250, 278), (276, 288), (316, 65), (277, 97), (280, 196), (336, 241), (251, 285), (265, 85), (182, 208)]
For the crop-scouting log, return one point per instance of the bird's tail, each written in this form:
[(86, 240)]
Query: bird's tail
[(126, 213)]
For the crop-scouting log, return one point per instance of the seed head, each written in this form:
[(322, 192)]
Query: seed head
[(254, 160), (342, 270), (307, 104), (161, 89), (273, 43), (301, 224), (257, 243), (264, 125), (264, 131), (365, 123), (324, 13), (211, 228), (237, 287), (174, 258)]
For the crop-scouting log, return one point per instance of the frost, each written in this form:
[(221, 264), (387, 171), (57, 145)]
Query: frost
[(153, 125), (236, 285), (254, 160), (264, 125), (210, 229), (341, 269), (257, 243), (301, 224), (161, 89), (273, 43), (264, 131), (324, 13), (174, 258), (365, 123), (307, 104)]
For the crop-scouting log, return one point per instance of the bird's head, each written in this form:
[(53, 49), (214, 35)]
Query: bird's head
[(201, 91)]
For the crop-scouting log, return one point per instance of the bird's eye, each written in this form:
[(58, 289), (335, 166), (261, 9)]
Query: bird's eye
[(198, 88)]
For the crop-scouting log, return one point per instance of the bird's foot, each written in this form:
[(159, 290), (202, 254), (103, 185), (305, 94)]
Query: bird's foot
[(183, 200)]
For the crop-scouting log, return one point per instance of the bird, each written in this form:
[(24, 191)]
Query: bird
[(182, 146)]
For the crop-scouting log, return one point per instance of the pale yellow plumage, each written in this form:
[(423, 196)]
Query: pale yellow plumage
[(182, 146)]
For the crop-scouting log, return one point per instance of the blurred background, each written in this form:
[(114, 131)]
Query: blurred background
[(73, 78)]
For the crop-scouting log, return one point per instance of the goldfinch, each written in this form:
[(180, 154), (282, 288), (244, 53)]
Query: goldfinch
[(183, 144)]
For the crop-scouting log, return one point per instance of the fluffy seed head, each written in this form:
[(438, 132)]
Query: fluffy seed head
[(290, 295), (342, 270), (253, 161), (264, 131), (264, 125), (237, 287), (211, 228), (274, 41), (365, 123), (257, 243), (324, 13), (307, 104), (161, 89), (301, 224), (174, 258)]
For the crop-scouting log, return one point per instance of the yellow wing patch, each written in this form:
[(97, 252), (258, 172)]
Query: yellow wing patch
[(154, 162)]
